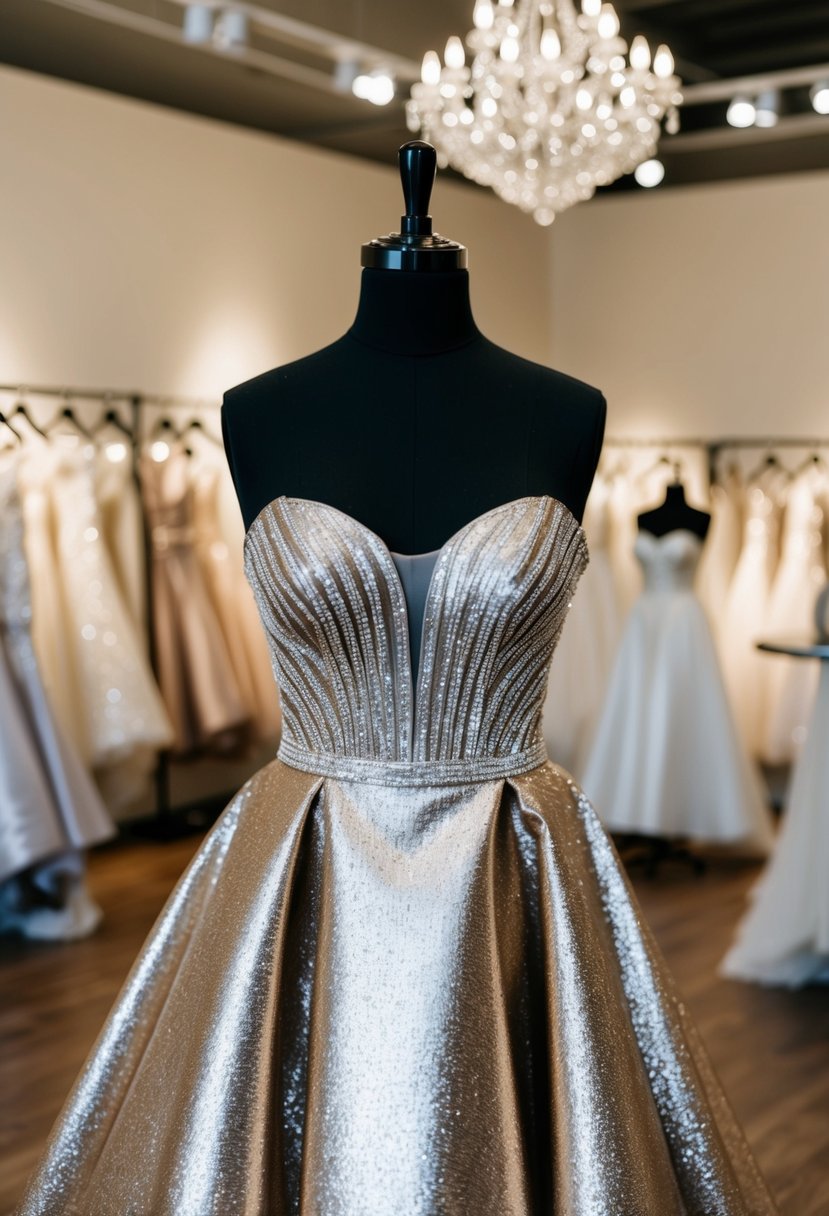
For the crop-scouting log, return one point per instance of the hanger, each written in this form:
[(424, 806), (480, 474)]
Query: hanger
[(21, 410), (769, 461), (112, 418), (196, 424), (67, 414), (18, 438), (813, 461)]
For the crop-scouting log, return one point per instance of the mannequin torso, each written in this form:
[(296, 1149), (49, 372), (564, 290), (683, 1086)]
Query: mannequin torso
[(675, 513), (413, 422)]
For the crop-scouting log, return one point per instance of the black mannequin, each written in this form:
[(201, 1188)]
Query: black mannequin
[(673, 513), (413, 422)]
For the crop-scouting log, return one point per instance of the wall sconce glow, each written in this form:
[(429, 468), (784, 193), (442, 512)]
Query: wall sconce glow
[(766, 109), (198, 24), (741, 112), (819, 95), (378, 88), (650, 173)]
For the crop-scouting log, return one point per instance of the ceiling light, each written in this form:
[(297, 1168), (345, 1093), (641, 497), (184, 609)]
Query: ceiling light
[(766, 109), (608, 24), (819, 94), (378, 88), (198, 24), (640, 54), (484, 15), (650, 173), (454, 56), (663, 63), (741, 112), (531, 111)]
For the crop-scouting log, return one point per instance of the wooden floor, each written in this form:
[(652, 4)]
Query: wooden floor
[(771, 1047)]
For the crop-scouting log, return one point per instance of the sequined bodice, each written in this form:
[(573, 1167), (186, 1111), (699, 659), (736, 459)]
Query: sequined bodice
[(668, 562), (335, 614)]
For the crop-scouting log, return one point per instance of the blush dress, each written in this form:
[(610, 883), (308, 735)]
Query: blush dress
[(404, 975)]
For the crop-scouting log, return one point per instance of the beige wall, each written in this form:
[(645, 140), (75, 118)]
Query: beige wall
[(700, 311), (144, 248)]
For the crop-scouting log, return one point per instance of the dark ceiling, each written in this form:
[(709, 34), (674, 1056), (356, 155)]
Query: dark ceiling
[(712, 40)]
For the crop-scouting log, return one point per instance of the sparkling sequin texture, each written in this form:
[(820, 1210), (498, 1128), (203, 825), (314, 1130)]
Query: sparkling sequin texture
[(373, 994)]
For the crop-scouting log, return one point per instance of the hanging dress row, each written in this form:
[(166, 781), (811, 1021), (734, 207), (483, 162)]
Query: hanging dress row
[(213, 664), (50, 811)]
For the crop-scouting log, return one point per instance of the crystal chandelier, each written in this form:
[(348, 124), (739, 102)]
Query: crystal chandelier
[(552, 105)]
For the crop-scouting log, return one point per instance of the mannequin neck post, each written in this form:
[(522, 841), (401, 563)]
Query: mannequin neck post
[(405, 312)]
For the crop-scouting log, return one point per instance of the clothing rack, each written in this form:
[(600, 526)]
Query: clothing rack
[(715, 447), (166, 820)]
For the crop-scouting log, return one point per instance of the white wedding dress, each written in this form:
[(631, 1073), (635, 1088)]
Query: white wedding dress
[(721, 551), (745, 618), (666, 759), (790, 684), (585, 654)]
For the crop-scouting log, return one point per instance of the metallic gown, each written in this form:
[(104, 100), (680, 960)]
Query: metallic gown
[(404, 975)]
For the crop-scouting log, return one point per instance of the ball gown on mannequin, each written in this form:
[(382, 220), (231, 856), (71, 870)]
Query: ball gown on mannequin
[(666, 758), (404, 973)]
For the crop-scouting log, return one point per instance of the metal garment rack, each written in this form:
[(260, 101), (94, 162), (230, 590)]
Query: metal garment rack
[(714, 448)]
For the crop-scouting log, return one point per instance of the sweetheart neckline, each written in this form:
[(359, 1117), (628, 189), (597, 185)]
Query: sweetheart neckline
[(673, 532), (313, 502), (415, 676)]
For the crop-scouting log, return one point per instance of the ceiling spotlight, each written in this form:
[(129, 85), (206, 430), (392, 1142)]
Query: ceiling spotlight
[(767, 109), (198, 24), (378, 88), (231, 30), (741, 112), (819, 94), (650, 173)]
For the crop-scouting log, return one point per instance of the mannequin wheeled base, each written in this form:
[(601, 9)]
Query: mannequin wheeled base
[(648, 853)]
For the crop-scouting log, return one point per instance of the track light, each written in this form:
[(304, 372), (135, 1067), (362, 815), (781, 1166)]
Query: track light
[(198, 24), (741, 112), (819, 94), (378, 88), (767, 108), (650, 173)]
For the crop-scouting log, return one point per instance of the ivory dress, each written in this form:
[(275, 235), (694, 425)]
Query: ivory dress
[(404, 974), (50, 812), (666, 758), (790, 684)]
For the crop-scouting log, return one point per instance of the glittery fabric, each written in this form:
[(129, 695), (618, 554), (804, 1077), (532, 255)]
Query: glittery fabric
[(373, 994)]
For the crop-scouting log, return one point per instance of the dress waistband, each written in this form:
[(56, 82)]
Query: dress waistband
[(412, 772)]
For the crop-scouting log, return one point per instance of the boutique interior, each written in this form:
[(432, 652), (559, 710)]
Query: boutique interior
[(187, 191)]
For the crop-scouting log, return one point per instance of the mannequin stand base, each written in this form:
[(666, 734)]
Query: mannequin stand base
[(648, 853)]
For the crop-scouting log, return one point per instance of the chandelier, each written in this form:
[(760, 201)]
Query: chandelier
[(552, 105)]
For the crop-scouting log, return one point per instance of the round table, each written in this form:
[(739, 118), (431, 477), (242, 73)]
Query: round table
[(784, 937)]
